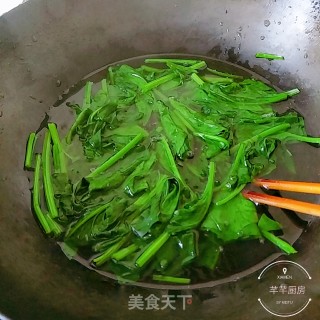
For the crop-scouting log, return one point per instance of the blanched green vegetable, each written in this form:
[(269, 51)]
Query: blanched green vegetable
[(28, 162), (157, 159), (118, 156), (36, 197), (269, 56), (45, 220), (158, 277), (47, 176)]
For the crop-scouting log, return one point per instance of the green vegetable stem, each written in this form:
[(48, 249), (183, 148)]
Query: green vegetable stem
[(28, 162), (36, 197), (47, 176), (111, 161), (269, 56)]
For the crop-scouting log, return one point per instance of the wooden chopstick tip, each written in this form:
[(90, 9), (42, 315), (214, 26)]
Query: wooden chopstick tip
[(262, 182), (252, 195), (293, 186)]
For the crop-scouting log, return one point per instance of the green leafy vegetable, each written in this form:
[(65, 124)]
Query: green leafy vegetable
[(166, 158), (147, 182), (266, 225), (197, 79), (269, 56), (152, 249), (28, 162), (209, 251), (177, 61), (58, 154), (157, 82), (54, 226), (224, 74), (47, 177), (100, 260), (36, 197), (159, 277), (176, 134), (283, 245), (232, 220), (111, 161), (191, 215), (125, 252), (85, 218)]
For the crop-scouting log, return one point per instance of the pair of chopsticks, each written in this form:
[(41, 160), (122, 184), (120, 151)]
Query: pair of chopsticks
[(284, 203)]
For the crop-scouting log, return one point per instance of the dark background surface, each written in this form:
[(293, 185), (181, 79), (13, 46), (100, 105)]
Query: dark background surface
[(49, 40)]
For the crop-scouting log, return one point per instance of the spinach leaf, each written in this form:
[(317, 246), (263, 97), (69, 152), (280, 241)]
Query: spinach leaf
[(266, 225), (176, 135), (191, 215), (236, 219)]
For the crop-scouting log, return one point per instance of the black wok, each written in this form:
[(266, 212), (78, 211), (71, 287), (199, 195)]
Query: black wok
[(47, 46)]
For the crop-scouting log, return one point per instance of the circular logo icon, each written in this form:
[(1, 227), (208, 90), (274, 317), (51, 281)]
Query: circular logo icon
[(284, 288)]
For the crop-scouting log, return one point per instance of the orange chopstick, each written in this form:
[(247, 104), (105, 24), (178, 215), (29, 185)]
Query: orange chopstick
[(284, 203), (295, 186)]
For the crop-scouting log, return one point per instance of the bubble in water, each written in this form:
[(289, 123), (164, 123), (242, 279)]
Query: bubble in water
[(279, 22), (262, 37), (240, 29), (266, 23), (239, 35), (227, 30), (58, 83), (306, 56), (221, 23), (34, 38)]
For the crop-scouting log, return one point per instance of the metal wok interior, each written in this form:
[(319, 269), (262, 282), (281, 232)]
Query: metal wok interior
[(47, 46)]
